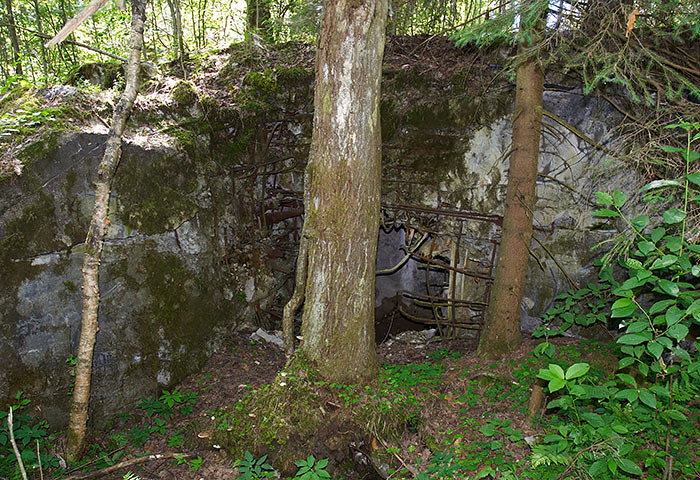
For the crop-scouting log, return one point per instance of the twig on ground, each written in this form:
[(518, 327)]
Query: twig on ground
[(14, 445), (125, 464), (38, 457)]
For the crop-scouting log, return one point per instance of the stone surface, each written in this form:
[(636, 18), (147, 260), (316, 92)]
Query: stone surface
[(163, 307)]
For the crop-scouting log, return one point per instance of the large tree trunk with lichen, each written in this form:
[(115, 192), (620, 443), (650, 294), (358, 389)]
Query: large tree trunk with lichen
[(343, 192), (501, 332), (90, 291)]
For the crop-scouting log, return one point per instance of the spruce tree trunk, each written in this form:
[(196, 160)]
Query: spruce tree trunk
[(501, 332), (343, 192), (94, 241)]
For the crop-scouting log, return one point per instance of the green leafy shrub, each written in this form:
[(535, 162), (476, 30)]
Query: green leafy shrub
[(251, 469), (614, 428), (30, 437), (310, 469)]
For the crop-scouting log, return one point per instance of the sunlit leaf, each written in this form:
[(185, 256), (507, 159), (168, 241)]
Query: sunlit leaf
[(557, 371), (674, 215), (627, 394), (556, 384), (605, 213), (631, 339), (647, 398), (577, 370), (678, 332), (669, 287), (655, 348), (663, 262), (603, 198), (629, 466), (628, 379), (619, 198)]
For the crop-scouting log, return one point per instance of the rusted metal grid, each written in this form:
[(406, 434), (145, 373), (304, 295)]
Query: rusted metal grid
[(461, 302), (446, 227)]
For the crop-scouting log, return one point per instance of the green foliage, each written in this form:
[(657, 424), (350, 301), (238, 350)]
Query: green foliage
[(310, 469), (608, 422), (196, 464), (251, 469), (503, 26), (442, 353), (164, 405), (22, 122), (30, 437)]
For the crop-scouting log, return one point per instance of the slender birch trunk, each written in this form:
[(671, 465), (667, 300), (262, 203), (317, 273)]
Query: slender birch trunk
[(94, 241)]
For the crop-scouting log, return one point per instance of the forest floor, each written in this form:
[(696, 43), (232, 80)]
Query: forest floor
[(466, 414)]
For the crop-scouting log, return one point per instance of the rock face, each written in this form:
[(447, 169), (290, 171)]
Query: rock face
[(202, 230), (163, 302)]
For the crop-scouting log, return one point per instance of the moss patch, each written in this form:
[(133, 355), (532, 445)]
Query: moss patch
[(283, 417), (185, 94), (180, 314), (156, 196), (31, 233)]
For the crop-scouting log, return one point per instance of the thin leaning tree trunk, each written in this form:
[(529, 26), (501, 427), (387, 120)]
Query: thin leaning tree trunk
[(40, 29), (94, 241)]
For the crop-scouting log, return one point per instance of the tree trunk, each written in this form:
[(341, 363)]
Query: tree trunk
[(178, 40), (40, 29), (501, 332), (14, 40), (343, 192), (91, 295), (259, 19)]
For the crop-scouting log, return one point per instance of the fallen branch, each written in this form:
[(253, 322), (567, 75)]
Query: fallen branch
[(125, 464), (404, 259), (408, 467), (75, 22), (69, 42), (578, 133)]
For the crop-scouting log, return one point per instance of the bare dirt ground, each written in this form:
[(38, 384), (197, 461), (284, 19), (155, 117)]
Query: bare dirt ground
[(468, 391)]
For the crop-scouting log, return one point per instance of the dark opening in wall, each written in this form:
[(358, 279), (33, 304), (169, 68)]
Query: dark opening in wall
[(432, 279)]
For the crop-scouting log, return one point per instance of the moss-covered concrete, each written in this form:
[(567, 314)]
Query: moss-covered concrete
[(156, 195), (187, 234)]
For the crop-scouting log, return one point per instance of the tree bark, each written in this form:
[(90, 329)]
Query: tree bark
[(94, 241), (501, 332), (14, 40), (178, 40), (343, 192)]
